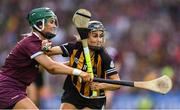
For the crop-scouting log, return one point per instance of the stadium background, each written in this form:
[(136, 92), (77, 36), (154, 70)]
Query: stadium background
[(143, 38)]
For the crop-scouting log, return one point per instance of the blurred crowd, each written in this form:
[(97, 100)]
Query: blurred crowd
[(142, 36)]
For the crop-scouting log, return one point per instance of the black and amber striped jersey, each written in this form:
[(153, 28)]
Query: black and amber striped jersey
[(102, 64)]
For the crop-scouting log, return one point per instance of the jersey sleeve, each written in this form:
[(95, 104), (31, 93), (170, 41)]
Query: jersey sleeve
[(108, 63), (33, 49), (67, 49)]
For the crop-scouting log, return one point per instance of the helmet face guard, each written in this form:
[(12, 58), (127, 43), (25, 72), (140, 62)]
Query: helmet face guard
[(38, 17)]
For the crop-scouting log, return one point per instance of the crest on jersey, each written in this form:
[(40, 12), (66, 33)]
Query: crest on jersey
[(112, 65)]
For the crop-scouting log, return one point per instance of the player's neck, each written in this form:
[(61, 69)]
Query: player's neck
[(39, 35)]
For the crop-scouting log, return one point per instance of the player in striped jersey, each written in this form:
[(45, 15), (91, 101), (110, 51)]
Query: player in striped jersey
[(77, 94)]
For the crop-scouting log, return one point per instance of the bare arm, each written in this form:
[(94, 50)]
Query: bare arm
[(52, 66), (58, 68), (105, 86), (56, 50)]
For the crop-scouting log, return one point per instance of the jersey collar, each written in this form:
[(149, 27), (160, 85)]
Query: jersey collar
[(37, 35)]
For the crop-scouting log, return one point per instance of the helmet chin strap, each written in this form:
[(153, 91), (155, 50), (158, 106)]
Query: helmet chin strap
[(47, 35)]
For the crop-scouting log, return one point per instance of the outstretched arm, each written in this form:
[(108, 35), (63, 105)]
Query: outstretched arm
[(59, 68)]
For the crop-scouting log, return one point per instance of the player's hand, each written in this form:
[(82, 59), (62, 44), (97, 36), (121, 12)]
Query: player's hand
[(46, 45), (85, 76), (96, 86)]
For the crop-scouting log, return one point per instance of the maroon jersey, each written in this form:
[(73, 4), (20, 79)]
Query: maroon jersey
[(20, 63)]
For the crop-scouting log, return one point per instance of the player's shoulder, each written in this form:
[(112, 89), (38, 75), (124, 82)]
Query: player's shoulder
[(103, 51), (104, 54), (78, 44), (29, 38)]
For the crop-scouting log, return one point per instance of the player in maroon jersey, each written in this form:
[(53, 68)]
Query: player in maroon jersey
[(21, 65)]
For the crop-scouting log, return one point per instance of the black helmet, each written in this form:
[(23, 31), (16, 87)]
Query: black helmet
[(96, 25)]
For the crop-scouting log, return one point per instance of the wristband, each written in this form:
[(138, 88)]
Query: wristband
[(76, 72)]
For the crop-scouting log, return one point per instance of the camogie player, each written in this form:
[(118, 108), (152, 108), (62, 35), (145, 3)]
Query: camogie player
[(77, 93), (21, 65)]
